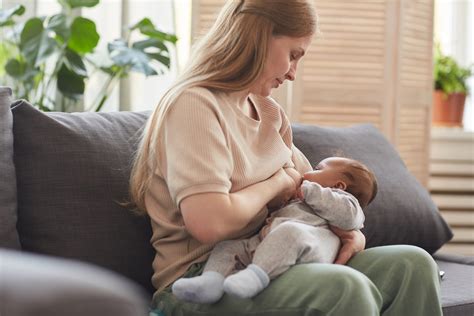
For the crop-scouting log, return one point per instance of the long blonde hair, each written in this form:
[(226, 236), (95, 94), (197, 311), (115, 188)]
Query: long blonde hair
[(230, 57)]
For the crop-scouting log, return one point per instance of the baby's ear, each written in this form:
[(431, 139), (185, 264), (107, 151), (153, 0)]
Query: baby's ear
[(341, 185)]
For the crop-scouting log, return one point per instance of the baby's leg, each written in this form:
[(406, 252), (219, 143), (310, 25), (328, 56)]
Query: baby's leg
[(208, 287), (294, 242), (287, 244)]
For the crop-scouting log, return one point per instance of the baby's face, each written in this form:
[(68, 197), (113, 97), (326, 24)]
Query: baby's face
[(328, 172)]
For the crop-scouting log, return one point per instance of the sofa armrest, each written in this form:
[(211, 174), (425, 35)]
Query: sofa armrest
[(33, 284)]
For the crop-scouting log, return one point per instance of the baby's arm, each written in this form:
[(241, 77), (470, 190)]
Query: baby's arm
[(339, 208)]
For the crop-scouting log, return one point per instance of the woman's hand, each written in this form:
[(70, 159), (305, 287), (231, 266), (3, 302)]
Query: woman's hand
[(290, 179), (352, 241)]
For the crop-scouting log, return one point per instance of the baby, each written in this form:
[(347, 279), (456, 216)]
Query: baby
[(332, 194)]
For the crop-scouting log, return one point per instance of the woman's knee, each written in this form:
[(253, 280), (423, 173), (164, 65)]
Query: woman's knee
[(333, 289), (348, 282), (415, 262), (398, 268), (408, 259)]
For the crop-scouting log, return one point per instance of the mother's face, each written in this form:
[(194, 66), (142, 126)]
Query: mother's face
[(283, 55)]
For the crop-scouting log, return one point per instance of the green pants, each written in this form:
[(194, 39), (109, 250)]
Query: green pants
[(391, 280)]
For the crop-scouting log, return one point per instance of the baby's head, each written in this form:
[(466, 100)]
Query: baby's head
[(345, 174)]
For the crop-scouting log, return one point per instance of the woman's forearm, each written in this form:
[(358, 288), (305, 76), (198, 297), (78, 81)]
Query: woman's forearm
[(212, 217)]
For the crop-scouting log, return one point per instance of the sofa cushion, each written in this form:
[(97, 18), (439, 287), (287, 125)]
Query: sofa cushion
[(72, 172), (403, 211), (457, 285), (8, 233)]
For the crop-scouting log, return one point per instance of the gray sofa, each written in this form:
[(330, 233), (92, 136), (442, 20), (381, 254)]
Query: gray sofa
[(68, 247)]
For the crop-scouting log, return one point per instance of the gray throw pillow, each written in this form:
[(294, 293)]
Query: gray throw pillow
[(403, 211), (72, 172), (8, 233)]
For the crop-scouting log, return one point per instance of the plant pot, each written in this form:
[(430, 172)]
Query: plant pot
[(448, 110)]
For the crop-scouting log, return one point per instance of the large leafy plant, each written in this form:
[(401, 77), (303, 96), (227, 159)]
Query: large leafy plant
[(49, 59), (449, 77)]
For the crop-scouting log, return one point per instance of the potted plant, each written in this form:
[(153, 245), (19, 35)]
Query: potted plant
[(450, 90), (49, 59)]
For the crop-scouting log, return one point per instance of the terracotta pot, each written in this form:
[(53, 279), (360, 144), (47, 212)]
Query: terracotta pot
[(448, 110)]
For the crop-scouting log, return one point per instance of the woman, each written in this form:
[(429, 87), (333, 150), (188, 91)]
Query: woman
[(217, 150)]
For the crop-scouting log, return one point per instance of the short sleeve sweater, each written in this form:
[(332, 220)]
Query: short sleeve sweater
[(207, 144)]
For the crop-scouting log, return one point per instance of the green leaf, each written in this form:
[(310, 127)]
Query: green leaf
[(21, 72), (15, 68), (449, 76), (155, 49), (137, 60), (146, 27), (57, 23), (4, 56), (150, 43), (75, 64), (70, 84), (7, 15), (81, 3), (84, 36), (35, 44), (164, 60)]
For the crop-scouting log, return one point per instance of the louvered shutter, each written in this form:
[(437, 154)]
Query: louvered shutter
[(415, 85), (371, 64), (204, 14), (342, 76)]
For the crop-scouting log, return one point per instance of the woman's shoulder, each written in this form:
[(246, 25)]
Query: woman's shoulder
[(194, 101), (197, 94)]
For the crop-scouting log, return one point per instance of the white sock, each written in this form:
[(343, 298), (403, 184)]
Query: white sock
[(247, 283), (206, 288)]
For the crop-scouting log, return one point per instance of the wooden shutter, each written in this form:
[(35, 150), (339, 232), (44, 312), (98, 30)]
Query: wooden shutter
[(204, 13), (341, 79), (415, 85), (371, 64)]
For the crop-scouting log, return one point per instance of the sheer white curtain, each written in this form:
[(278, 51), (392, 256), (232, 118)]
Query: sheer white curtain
[(454, 29), (111, 17)]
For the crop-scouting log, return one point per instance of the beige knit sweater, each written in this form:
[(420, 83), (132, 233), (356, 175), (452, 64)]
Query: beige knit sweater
[(209, 145)]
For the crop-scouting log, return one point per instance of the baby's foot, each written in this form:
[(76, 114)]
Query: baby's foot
[(247, 283), (206, 288)]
